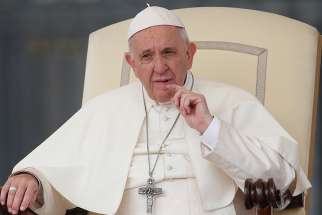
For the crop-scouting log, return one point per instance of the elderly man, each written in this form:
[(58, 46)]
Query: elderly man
[(149, 147)]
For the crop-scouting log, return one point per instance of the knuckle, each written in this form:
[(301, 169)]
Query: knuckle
[(30, 184), (9, 203), (15, 206), (33, 190), (16, 202), (5, 188), (11, 195), (19, 196), (31, 193), (24, 204), (12, 178), (26, 201), (3, 192)]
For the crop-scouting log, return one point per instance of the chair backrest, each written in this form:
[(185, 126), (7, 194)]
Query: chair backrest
[(274, 57)]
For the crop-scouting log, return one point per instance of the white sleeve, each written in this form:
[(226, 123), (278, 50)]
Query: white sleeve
[(210, 136), (244, 156), (51, 202)]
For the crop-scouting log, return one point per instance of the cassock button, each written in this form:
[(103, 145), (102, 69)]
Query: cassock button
[(187, 157), (166, 118)]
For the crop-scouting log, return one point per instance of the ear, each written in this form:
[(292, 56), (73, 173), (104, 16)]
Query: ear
[(129, 59), (192, 48)]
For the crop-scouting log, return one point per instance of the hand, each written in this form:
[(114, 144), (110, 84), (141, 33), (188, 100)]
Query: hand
[(27, 189), (193, 107)]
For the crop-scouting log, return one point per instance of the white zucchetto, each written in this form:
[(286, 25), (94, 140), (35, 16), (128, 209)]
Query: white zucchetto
[(153, 16)]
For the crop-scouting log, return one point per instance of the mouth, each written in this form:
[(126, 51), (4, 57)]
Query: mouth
[(162, 81)]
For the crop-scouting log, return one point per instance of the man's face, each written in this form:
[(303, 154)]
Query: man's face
[(160, 56)]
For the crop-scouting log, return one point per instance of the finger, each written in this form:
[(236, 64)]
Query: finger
[(4, 192), (177, 97), (18, 199), (174, 91), (29, 197), (186, 102), (11, 196), (174, 87), (182, 107)]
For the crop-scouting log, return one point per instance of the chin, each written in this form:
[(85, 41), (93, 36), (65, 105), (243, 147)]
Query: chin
[(163, 98), (162, 95)]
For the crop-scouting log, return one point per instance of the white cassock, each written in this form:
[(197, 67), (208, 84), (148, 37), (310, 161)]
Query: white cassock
[(98, 156)]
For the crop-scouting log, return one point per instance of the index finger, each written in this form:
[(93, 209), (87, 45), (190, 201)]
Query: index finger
[(174, 88), (4, 192)]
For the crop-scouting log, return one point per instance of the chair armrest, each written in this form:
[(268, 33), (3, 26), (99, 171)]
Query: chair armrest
[(263, 194), (76, 211)]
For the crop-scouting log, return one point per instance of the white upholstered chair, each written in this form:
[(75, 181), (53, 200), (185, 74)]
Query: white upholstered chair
[(274, 57)]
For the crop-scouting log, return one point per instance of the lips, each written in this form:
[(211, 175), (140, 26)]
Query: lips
[(162, 82)]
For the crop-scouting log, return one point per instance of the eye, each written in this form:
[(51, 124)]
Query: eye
[(146, 57)]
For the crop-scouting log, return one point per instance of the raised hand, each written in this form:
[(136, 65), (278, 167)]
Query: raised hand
[(192, 106), (19, 192)]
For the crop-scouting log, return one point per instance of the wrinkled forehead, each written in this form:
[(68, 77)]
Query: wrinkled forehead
[(160, 36)]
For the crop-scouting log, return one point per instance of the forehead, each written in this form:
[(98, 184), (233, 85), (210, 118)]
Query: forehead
[(157, 36)]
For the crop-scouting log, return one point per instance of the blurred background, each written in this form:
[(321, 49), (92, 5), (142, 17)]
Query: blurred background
[(43, 46)]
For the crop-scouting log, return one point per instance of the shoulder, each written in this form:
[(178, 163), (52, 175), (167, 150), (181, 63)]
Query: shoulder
[(115, 98)]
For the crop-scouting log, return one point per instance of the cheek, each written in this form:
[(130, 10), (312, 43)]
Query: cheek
[(180, 71), (144, 75)]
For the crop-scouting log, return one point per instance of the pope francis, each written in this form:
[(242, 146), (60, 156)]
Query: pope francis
[(170, 144)]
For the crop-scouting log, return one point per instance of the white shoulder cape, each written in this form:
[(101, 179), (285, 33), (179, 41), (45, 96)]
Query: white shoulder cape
[(87, 159)]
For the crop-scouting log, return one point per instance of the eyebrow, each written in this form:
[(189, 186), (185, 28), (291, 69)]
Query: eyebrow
[(168, 49), (148, 51)]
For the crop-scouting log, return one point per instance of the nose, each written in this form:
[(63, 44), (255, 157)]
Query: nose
[(160, 65)]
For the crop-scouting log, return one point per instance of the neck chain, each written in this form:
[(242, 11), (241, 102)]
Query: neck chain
[(151, 171), (149, 190)]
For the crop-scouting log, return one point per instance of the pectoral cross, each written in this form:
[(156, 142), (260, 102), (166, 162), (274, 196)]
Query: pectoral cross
[(150, 191)]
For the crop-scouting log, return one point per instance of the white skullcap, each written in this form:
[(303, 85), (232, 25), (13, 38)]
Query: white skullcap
[(153, 16)]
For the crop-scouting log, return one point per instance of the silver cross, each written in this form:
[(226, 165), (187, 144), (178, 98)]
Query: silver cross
[(150, 191)]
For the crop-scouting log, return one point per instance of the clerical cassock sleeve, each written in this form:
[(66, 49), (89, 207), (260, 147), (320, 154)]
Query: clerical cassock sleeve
[(251, 144), (52, 202)]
